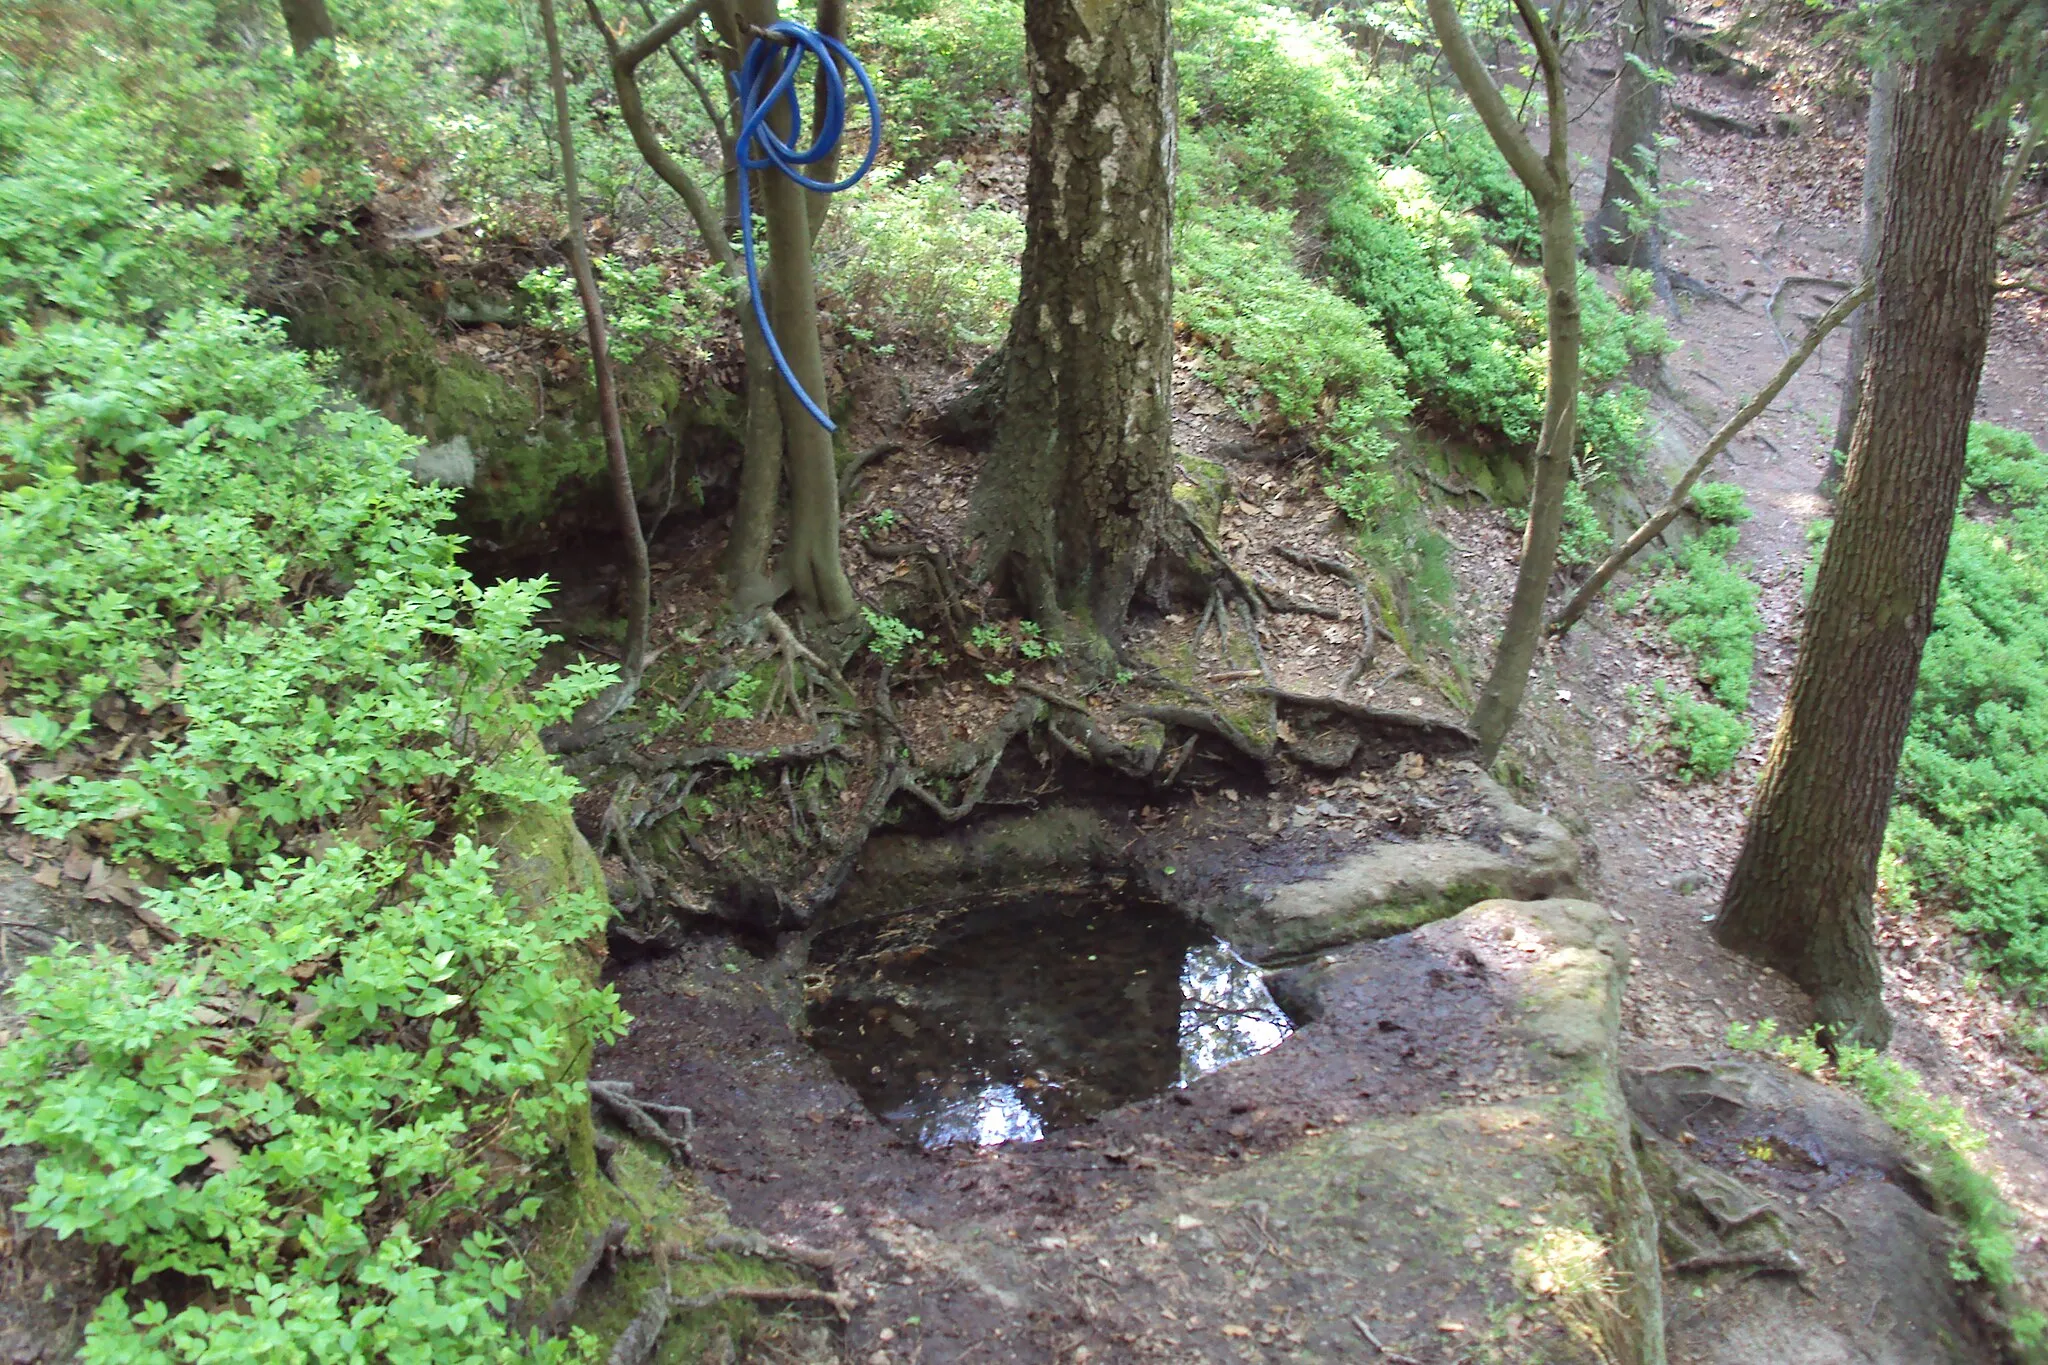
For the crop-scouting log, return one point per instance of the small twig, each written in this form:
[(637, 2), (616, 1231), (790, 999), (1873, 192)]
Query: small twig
[(1381, 1346)]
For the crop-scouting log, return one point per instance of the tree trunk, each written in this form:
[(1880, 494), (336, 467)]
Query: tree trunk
[(1072, 500), (1799, 898), (1548, 180), (308, 22), (810, 555), (1625, 230), (627, 506), (1884, 87)]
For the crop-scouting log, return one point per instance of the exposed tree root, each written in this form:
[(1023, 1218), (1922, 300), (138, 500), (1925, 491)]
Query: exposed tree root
[(603, 1243), (1379, 717), (1369, 622), (748, 1242), (643, 1118)]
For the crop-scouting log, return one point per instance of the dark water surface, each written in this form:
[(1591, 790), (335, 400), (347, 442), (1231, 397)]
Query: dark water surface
[(1000, 1021)]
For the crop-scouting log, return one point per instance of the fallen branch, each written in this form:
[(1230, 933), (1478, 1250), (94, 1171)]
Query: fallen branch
[(1776, 1261), (849, 476), (1654, 527)]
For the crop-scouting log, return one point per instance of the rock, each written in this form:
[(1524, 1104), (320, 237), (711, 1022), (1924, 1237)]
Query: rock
[(1395, 887), (1718, 1140), (1420, 1226), (452, 463)]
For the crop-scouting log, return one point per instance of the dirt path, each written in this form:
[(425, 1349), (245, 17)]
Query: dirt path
[(1664, 848)]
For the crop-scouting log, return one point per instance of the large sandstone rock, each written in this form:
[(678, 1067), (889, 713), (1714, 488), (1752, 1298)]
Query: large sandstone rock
[(1393, 887)]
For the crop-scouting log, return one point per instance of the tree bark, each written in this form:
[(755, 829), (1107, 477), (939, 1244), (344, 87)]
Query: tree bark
[(628, 508), (1877, 163), (1799, 898), (810, 554), (1547, 177), (1072, 501), (1624, 230), (308, 22)]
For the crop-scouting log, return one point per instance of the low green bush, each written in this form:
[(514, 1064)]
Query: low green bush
[(1704, 737), (1709, 608), (1971, 820), (315, 1115), (945, 70), (1722, 503), (916, 261)]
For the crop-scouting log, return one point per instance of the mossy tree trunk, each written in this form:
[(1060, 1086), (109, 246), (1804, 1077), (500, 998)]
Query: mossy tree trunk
[(1072, 501), (1799, 898), (1547, 177), (1624, 230)]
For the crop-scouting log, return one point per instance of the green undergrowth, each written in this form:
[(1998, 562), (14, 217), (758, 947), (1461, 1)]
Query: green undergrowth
[(1970, 826), (1941, 1136), (312, 1119), (1707, 605)]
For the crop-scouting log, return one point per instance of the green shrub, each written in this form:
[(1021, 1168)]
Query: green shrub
[(917, 262), (680, 312), (945, 69), (1706, 737), (319, 1109), (1721, 503), (1709, 606), (1971, 821)]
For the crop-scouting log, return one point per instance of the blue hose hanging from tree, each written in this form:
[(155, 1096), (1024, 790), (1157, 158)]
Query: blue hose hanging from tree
[(767, 76)]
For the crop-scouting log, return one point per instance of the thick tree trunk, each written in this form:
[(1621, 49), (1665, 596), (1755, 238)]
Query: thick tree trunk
[(1624, 230), (626, 505), (1799, 898), (1072, 500), (1547, 177), (308, 22), (1884, 88)]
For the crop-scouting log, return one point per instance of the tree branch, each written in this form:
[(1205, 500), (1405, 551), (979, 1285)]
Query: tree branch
[(1654, 527)]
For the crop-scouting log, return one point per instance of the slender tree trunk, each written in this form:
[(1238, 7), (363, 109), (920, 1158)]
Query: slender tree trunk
[(1877, 164), (1072, 500), (753, 522), (637, 575), (1548, 179), (1624, 230), (810, 555), (1799, 898), (308, 22)]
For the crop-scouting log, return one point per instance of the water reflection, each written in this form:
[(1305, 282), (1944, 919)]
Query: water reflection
[(1001, 1021), (1226, 1013)]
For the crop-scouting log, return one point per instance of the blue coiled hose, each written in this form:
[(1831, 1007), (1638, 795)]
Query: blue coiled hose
[(768, 75)]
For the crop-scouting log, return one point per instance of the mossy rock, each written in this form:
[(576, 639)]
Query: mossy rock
[(527, 448)]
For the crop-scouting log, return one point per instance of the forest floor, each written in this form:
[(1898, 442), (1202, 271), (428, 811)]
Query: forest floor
[(1758, 216)]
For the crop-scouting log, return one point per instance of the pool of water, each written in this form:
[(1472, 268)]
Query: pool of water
[(1001, 1021)]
